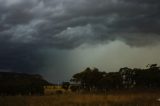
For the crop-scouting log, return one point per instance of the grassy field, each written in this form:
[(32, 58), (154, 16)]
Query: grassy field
[(114, 99)]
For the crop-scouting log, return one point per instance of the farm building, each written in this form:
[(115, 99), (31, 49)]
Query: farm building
[(54, 89)]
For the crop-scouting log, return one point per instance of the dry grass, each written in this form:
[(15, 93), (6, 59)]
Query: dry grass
[(116, 99)]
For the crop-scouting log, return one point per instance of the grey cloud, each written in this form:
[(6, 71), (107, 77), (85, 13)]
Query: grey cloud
[(41, 21), (19, 58)]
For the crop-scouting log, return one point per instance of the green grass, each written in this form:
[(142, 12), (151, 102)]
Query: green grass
[(112, 99)]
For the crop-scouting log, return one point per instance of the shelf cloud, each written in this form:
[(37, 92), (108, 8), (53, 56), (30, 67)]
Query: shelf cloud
[(68, 23)]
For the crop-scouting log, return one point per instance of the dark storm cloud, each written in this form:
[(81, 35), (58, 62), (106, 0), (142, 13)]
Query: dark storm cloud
[(29, 25), (19, 58), (70, 23)]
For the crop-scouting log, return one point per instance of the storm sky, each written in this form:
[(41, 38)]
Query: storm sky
[(58, 38)]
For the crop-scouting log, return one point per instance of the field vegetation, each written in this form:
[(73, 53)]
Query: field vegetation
[(115, 98)]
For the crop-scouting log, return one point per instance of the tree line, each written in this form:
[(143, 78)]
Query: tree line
[(125, 78), (21, 84)]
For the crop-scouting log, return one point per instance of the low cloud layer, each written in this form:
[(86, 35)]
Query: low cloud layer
[(69, 23)]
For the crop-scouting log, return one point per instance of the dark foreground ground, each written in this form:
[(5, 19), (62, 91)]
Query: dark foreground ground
[(111, 99)]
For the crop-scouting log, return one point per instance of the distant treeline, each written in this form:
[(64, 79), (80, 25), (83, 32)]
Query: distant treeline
[(87, 80), (21, 84), (125, 78)]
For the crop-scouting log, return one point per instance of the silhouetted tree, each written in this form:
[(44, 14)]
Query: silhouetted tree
[(127, 78), (65, 85), (92, 79)]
